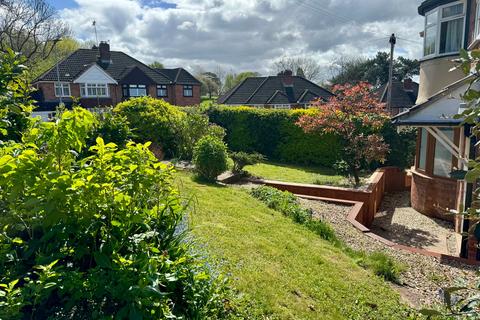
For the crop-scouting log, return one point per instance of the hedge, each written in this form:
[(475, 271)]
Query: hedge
[(274, 134)]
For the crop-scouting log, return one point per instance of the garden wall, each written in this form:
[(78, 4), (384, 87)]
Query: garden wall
[(389, 179)]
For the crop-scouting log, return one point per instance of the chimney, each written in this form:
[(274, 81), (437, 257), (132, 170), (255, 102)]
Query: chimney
[(287, 78), (104, 49), (408, 85)]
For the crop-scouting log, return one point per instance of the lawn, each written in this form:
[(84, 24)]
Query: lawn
[(284, 270), (298, 174)]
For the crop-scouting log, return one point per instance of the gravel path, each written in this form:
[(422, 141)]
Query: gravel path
[(398, 222), (423, 276)]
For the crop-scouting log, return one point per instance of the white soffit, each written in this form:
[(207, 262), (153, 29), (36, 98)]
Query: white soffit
[(95, 74)]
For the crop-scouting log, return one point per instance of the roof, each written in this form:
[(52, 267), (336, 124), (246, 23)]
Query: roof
[(401, 98), (271, 90), (428, 5), (441, 114), (179, 76), (121, 64)]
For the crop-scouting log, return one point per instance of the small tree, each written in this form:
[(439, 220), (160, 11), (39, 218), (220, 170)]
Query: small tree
[(210, 158), (356, 117)]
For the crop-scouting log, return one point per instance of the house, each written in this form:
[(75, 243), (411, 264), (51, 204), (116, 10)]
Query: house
[(101, 77), (404, 95), (283, 91), (443, 143)]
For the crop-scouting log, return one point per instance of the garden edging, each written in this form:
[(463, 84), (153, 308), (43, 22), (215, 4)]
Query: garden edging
[(364, 204)]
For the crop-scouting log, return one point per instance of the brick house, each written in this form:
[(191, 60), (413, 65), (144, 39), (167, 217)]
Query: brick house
[(443, 142), (100, 77), (283, 91)]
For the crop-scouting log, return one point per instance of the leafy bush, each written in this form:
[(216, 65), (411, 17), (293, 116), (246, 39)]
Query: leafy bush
[(194, 127), (154, 120), (287, 204), (382, 265), (15, 102), (99, 237), (210, 158), (242, 159), (274, 134)]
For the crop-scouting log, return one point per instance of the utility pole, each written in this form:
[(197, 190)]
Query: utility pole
[(393, 41)]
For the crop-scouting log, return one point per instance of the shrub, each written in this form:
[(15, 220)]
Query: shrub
[(154, 120), (242, 159), (287, 204), (193, 127), (210, 158), (382, 265), (274, 134), (95, 238)]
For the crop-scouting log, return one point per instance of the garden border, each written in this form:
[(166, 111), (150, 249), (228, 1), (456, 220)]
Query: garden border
[(364, 203)]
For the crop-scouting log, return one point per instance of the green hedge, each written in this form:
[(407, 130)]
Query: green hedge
[(274, 134)]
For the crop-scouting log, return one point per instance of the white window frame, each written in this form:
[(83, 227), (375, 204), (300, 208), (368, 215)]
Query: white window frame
[(188, 88), (440, 20), (134, 87), (62, 86), (85, 86), (282, 106)]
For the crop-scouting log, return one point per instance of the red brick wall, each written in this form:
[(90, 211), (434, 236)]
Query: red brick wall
[(180, 100), (434, 196)]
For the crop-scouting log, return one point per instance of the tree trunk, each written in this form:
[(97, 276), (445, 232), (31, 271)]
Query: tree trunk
[(356, 176)]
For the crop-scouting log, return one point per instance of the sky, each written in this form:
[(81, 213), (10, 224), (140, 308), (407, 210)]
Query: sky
[(241, 35)]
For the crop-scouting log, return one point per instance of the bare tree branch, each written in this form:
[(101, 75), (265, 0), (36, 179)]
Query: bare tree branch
[(30, 27), (304, 66)]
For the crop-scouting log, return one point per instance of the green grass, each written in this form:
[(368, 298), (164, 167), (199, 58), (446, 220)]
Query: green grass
[(298, 174), (282, 268)]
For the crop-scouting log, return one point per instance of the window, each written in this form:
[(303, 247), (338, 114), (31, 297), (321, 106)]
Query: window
[(422, 160), (94, 90), (62, 89), (134, 90), (442, 165), (444, 29), (162, 91), (188, 91), (477, 21)]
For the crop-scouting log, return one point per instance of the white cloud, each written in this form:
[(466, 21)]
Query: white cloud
[(248, 34)]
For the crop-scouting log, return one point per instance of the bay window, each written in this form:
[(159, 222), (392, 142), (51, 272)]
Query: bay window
[(477, 21), (62, 89), (134, 90), (444, 29), (443, 159), (422, 155), (94, 90)]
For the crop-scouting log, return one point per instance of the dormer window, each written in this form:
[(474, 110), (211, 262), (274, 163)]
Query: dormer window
[(444, 30)]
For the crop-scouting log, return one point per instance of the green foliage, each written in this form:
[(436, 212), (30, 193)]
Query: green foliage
[(153, 120), (156, 65), (113, 128), (374, 70), (402, 146), (194, 126), (382, 265), (242, 159), (287, 204), (274, 134), (94, 238), (210, 158), (15, 102), (233, 79)]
